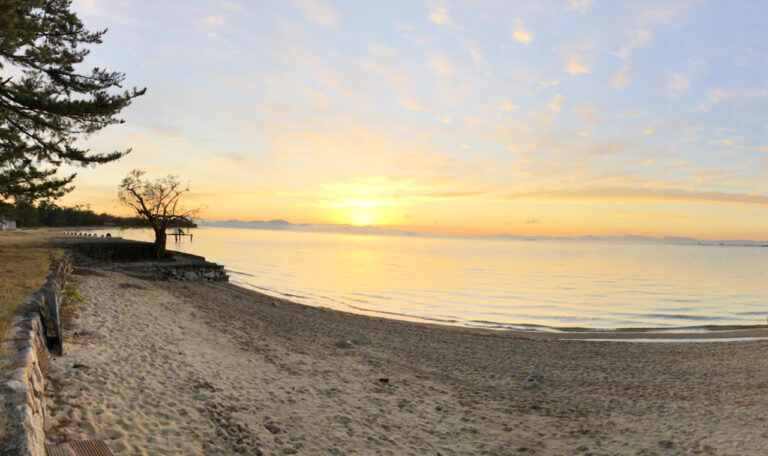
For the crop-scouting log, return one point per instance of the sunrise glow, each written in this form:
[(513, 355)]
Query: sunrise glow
[(531, 119)]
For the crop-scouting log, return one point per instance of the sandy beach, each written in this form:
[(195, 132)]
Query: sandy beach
[(190, 368)]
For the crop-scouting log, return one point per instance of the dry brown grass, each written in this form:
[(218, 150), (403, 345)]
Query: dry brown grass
[(24, 260)]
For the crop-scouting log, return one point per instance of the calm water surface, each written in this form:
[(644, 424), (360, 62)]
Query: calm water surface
[(487, 283)]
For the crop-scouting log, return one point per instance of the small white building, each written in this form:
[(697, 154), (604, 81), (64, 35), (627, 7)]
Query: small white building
[(7, 224)]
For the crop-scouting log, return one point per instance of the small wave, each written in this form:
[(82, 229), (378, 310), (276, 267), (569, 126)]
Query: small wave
[(675, 341), (400, 314), (679, 316), (232, 271)]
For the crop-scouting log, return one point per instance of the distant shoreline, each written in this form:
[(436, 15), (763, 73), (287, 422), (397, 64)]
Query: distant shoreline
[(377, 231)]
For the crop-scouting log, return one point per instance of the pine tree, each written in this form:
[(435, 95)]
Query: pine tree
[(46, 105)]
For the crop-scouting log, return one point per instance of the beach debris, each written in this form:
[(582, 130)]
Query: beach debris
[(274, 303), (80, 366), (344, 344), (536, 375), (534, 379), (290, 450), (530, 383), (384, 380), (668, 444)]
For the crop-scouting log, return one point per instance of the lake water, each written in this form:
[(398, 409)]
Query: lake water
[(492, 283)]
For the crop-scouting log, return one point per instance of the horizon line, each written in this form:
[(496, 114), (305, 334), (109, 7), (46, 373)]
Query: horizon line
[(378, 229)]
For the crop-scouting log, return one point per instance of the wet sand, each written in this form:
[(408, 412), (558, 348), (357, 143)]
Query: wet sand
[(190, 368)]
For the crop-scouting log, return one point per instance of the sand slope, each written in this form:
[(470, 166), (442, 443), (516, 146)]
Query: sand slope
[(201, 368)]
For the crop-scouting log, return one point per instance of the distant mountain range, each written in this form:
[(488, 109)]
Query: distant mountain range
[(283, 225)]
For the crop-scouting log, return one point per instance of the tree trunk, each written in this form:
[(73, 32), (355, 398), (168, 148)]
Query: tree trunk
[(159, 242)]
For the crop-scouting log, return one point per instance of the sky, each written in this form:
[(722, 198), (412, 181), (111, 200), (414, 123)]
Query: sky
[(553, 118)]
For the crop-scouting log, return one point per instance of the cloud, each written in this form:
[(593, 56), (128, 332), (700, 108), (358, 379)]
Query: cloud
[(576, 66), (578, 5), (532, 221), (623, 52), (642, 194), (382, 50), (556, 103), (385, 71), (665, 13), (213, 21), (411, 104), (440, 15), (522, 35), (649, 131), (319, 13), (725, 142), (232, 6), (441, 65), (446, 119), (507, 106), (588, 115), (637, 38), (678, 82), (720, 95), (622, 78), (89, 6)]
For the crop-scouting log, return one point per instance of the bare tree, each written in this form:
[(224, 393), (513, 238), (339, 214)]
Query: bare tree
[(157, 201)]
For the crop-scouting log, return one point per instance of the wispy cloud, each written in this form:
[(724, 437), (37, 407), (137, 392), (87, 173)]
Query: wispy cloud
[(622, 78), (522, 35), (233, 6), (588, 115), (382, 51), (578, 5), (508, 106), (440, 15), (213, 21), (319, 13), (411, 104), (643, 194), (556, 103), (576, 65), (722, 95), (678, 82), (441, 65), (637, 38)]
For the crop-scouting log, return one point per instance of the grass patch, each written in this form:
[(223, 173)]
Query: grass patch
[(24, 260), (69, 307)]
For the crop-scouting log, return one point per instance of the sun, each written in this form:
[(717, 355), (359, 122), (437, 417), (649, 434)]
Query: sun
[(362, 216), (360, 212)]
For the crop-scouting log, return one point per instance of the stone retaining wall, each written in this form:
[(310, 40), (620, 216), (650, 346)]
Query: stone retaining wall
[(109, 249), (24, 355), (204, 271), (136, 258)]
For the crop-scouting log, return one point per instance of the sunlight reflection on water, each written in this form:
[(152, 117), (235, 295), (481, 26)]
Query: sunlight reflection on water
[(490, 283)]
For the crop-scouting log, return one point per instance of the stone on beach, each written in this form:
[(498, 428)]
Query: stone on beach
[(344, 344), (536, 375), (190, 275), (530, 382)]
